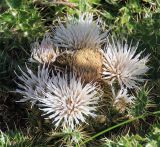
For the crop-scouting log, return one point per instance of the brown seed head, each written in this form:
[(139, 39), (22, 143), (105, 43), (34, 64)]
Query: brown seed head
[(87, 63)]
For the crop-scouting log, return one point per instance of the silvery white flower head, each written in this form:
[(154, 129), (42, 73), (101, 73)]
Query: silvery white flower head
[(123, 95), (44, 52), (32, 85), (123, 100), (68, 101), (121, 63), (79, 34)]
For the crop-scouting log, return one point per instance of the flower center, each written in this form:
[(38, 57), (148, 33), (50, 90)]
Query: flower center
[(70, 105)]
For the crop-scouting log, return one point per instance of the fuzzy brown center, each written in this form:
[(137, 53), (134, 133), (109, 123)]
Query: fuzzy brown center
[(88, 64)]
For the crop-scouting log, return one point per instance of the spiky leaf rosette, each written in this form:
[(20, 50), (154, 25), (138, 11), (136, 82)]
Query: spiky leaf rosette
[(44, 52), (87, 63), (122, 63), (31, 85), (68, 100), (79, 34)]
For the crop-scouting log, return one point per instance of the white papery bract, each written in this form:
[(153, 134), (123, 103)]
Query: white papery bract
[(121, 63), (79, 34), (44, 52), (31, 85), (68, 101)]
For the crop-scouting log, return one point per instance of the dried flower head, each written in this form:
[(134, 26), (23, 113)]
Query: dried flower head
[(79, 34), (123, 100), (65, 58), (121, 63), (69, 101), (45, 51), (87, 63), (32, 85)]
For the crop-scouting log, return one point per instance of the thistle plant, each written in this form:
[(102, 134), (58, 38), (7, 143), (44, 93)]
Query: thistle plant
[(79, 34), (62, 97), (69, 100), (142, 102), (123, 100), (72, 137), (31, 85), (69, 97), (45, 52), (122, 64), (85, 38)]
